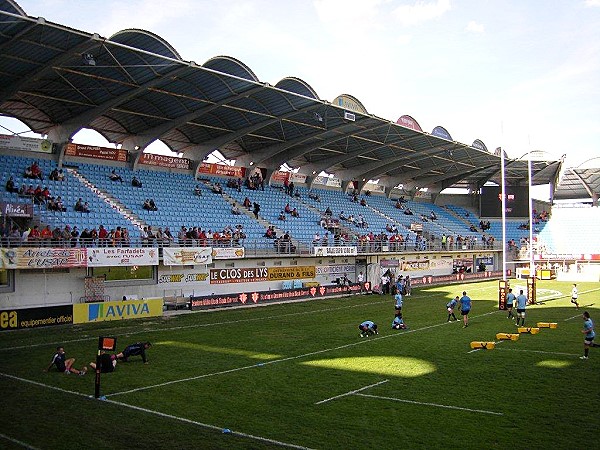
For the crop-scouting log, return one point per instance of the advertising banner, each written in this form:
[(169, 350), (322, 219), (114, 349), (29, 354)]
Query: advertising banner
[(257, 274), (130, 309), (186, 256), (220, 169), (335, 251), (122, 256), (280, 176), (91, 151), (182, 277), (338, 269), (171, 162), (228, 252), (15, 319), (21, 143), (16, 209), (445, 263), (297, 177), (409, 266), (290, 273), (42, 258)]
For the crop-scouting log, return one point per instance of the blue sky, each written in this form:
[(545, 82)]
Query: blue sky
[(524, 74)]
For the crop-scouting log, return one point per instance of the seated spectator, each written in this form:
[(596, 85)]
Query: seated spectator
[(34, 171), (78, 205), (135, 182), (10, 186), (424, 218), (287, 209), (473, 228), (270, 233), (85, 208), (53, 175), (328, 211), (297, 193), (295, 213), (217, 189), (23, 191), (342, 216), (51, 204), (408, 212), (198, 191), (432, 216), (30, 192), (168, 237), (114, 176), (399, 204), (363, 202), (149, 205), (235, 210), (314, 196), (281, 216), (355, 198), (316, 239), (247, 203), (60, 205)]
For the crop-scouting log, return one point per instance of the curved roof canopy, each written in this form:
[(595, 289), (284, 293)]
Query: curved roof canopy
[(134, 88)]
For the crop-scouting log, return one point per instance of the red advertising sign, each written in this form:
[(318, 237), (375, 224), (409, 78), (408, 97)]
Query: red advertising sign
[(91, 151), (171, 162), (280, 176), (220, 169)]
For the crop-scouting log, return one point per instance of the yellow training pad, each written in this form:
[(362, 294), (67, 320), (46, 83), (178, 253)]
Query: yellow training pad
[(529, 330), (547, 324), (507, 336), (480, 344)]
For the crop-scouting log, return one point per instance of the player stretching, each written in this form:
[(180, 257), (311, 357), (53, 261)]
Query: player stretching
[(521, 305), (510, 299), (139, 348), (368, 328), (64, 364), (450, 306), (589, 335), (575, 296), (398, 322)]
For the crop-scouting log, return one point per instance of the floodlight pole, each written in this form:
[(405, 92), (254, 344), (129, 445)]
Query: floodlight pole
[(503, 214), (531, 265)]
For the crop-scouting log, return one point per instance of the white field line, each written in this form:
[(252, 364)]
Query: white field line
[(16, 441), (579, 315), (289, 358), (482, 411), (351, 392), (157, 413), (200, 325), (537, 351)]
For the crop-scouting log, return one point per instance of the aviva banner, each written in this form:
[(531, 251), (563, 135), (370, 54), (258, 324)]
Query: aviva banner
[(131, 309)]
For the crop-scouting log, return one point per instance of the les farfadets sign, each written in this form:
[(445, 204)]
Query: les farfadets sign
[(16, 319)]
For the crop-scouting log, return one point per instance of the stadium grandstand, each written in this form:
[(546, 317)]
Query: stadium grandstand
[(310, 192)]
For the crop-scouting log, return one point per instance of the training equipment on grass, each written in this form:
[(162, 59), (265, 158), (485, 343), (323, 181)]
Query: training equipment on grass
[(483, 344), (507, 336), (547, 325), (528, 330)]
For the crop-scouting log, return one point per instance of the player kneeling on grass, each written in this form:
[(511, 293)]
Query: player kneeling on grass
[(64, 364), (368, 328), (398, 322), (108, 363), (589, 335), (139, 348)]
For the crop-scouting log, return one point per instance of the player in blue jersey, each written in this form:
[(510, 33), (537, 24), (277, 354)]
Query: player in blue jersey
[(398, 322), (465, 308), (521, 305), (398, 300), (588, 335), (510, 300), (139, 348), (450, 307), (64, 364), (368, 328)]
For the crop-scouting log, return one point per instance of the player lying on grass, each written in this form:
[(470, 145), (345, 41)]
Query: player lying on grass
[(64, 364), (139, 348), (108, 363), (398, 322), (368, 328)]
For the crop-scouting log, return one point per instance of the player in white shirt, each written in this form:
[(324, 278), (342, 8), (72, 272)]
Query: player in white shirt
[(575, 296)]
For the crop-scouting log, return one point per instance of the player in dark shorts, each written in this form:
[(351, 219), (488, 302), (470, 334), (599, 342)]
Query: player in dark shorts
[(139, 348), (64, 364), (368, 328), (108, 363)]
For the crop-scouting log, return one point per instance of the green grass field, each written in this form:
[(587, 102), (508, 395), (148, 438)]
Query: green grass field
[(299, 375)]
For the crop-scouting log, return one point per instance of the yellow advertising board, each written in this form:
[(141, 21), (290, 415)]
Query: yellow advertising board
[(291, 273), (130, 309)]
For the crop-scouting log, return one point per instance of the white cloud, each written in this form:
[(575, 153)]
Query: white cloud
[(349, 15), (475, 27), (421, 11), (592, 3)]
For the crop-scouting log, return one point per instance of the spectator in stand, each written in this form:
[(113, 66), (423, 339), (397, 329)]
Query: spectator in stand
[(288, 208), (10, 186), (148, 206), (60, 206), (117, 238), (408, 212), (295, 213), (57, 236), (182, 236), (432, 216), (102, 236), (217, 189), (281, 215), (74, 236), (30, 192), (168, 237), (247, 203), (135, 182), (256, 210), (85, 237), (314, 197), (78, 205), (399, 204), (198, 191), (46, 236), (114, 176), (235, 210), (363, 202), (328, 211), (14, 237), (57, 175), (34, 235), (34, 171)]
